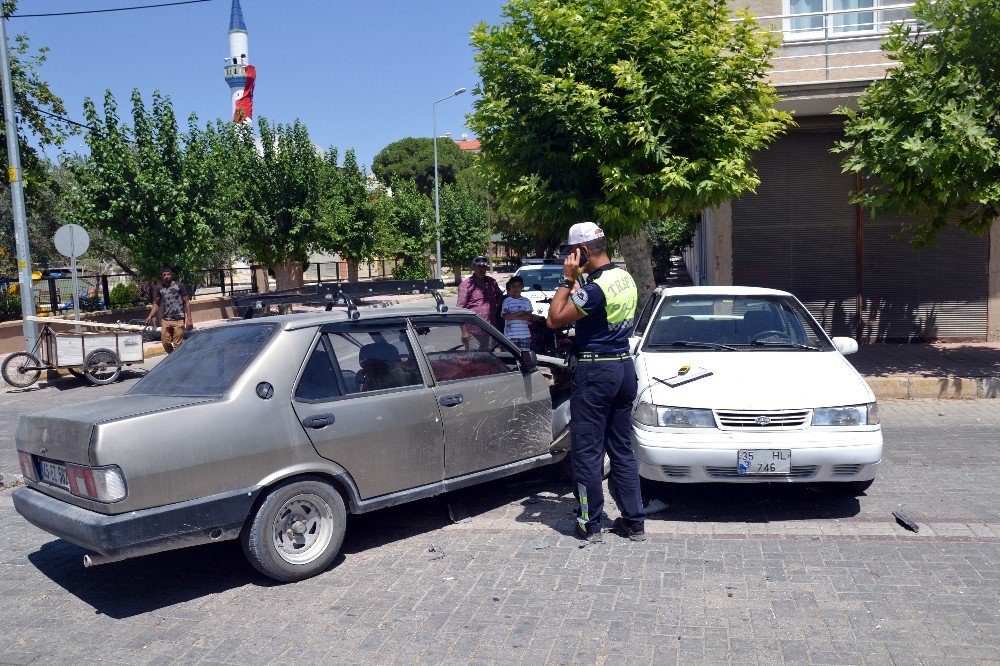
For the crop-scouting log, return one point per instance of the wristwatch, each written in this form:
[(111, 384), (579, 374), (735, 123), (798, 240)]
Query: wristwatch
[(568, 283)]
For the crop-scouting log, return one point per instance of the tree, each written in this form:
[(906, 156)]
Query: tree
[(464, 227), (412, 159), (622, 112), (33, 102), (927, 137), (349, 208), (275, 196), (151, 188), (407, 220)]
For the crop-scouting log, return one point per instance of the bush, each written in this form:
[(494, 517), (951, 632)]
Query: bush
[(411, 270), (124, 295), (10, 306)]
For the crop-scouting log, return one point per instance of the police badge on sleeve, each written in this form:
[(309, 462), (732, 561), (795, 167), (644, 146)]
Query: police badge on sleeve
[(580, 298)]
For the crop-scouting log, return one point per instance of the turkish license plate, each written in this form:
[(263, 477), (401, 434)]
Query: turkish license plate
[(54, 474), (764, 461)]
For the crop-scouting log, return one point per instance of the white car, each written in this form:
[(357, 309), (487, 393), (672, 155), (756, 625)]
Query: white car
[(742, 385), (540, 283)]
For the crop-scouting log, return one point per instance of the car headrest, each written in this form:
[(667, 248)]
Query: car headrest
[(379, 351)]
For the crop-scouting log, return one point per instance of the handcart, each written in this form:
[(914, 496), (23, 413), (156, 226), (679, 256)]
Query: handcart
[(96, 354)]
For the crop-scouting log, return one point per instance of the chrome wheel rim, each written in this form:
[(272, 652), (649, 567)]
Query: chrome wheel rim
[(102, 366), (302, 528)]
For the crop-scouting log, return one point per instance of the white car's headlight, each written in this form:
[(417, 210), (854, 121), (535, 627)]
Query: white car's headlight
[(853, 415), (673, 417)]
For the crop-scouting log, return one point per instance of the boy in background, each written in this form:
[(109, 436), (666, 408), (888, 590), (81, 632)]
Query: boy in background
[(516, 313)]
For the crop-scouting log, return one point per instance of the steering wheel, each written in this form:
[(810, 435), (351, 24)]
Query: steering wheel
[(771, 334)]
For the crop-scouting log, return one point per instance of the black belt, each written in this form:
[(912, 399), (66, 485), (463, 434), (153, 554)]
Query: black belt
[(602, 356)]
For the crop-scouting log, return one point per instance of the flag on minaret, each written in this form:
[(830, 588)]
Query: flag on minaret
[(240, 74)]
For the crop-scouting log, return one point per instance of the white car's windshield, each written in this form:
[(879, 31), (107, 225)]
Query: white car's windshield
[(545, 277), (733, 323)]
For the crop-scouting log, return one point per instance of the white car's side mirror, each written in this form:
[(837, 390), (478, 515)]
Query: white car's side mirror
[(846, 345)]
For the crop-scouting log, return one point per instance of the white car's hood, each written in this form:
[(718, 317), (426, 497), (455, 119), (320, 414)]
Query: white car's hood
[(765, 380)]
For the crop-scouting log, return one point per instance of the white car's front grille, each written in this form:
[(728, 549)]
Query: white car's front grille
[(676, 470), (758, 420)]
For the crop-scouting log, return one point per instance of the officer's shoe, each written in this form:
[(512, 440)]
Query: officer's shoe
[(589, 537), (623, 529)]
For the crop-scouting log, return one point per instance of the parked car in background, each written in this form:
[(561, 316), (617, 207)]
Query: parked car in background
[(271, 430), (742, 385), (541, 279)]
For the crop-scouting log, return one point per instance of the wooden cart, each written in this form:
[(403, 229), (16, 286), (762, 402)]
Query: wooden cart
[(97, 354)]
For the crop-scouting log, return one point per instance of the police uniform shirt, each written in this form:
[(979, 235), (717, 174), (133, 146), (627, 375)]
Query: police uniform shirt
[(608, 301)]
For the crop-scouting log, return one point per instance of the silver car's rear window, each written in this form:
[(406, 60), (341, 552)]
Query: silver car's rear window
[(208, 363)]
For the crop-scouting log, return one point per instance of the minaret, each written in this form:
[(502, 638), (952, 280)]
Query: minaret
[(240, 74)]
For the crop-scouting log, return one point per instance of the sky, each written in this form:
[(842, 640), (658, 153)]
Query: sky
[(359, 73)]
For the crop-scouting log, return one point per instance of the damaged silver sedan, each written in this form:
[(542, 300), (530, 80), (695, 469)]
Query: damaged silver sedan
[(272, 430)]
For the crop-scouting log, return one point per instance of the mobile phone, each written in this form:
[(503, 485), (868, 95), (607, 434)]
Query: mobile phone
[(584, 256)]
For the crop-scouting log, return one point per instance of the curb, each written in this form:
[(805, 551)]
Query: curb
[(941, 388)]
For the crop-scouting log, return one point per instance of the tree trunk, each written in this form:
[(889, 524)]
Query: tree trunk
[(639, 263), (352, 271), (457, 273), (288, 275)]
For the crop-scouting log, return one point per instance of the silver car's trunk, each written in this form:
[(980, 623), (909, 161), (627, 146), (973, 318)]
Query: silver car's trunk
[(65, 433)]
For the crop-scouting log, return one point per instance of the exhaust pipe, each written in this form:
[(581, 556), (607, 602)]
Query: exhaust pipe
[(96, 559)]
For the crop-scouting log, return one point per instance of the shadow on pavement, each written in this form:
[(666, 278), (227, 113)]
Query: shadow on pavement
[(749, 503), (144, 584)]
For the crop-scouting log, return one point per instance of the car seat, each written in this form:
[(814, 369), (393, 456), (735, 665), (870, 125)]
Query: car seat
[(681, 327), (756, 322)]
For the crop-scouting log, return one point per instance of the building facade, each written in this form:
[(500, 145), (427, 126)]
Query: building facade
[(800, 232)]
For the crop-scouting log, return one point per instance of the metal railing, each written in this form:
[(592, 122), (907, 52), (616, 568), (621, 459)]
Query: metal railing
[(834, 44)]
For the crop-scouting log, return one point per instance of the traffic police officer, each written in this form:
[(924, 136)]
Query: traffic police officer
[(604, 381)]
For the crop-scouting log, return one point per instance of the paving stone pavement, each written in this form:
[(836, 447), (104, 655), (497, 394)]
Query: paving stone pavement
[(730, 574)]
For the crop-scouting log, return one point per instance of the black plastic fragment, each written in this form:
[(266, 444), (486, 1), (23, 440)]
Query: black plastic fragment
[(905, 520)]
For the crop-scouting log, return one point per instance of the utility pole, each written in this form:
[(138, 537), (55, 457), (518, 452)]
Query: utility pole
[(16, 179)]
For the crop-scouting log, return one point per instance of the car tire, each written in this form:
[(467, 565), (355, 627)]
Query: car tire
[(297, 531)]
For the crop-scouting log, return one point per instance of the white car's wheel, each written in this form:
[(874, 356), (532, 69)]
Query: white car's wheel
[(296, 531)]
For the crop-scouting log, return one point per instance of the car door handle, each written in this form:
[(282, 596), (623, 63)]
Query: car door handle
[(318, 421), (451, 400)]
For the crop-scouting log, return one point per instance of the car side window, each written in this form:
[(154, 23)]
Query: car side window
[(451, 359), (319, 379), (647, 313), (375, 359)]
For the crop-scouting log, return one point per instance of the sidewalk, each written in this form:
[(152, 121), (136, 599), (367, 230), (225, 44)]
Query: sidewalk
[(936, 370)]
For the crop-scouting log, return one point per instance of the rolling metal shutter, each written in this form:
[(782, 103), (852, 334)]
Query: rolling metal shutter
[(799, 233)]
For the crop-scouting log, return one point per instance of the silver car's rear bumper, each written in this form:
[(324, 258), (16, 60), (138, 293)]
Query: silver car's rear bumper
[(135, 533)]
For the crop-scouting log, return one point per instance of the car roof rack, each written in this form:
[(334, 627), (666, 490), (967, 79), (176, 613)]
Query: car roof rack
[(330, 294)]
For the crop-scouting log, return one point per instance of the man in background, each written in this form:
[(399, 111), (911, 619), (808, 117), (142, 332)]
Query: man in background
[(481, 294), (172, 302)]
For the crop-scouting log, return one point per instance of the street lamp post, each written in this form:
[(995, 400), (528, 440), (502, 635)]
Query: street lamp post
[(437, 203)]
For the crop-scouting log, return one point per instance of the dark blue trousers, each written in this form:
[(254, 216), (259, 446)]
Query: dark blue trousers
[(601, 406)]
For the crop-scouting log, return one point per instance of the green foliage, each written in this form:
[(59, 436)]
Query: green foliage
[(150, 187), (666, 238), (407, 222), (352, 224), (927, 137), (622, 112), (274, 191), (10, 306), (412, 159), (464, 226), (124, 295), (33, 98), (411, 269)]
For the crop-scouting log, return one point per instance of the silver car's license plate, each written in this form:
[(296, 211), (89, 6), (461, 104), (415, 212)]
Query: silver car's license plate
[(54, 474), (764, 461)]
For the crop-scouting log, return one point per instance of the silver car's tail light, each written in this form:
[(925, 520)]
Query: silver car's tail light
[(28, 468), (104, 484)]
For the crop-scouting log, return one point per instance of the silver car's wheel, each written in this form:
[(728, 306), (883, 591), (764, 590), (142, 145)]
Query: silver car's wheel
[(296, 531), (302, 528)]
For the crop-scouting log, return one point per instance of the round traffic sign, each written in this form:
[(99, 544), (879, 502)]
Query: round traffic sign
[(71, 240)]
